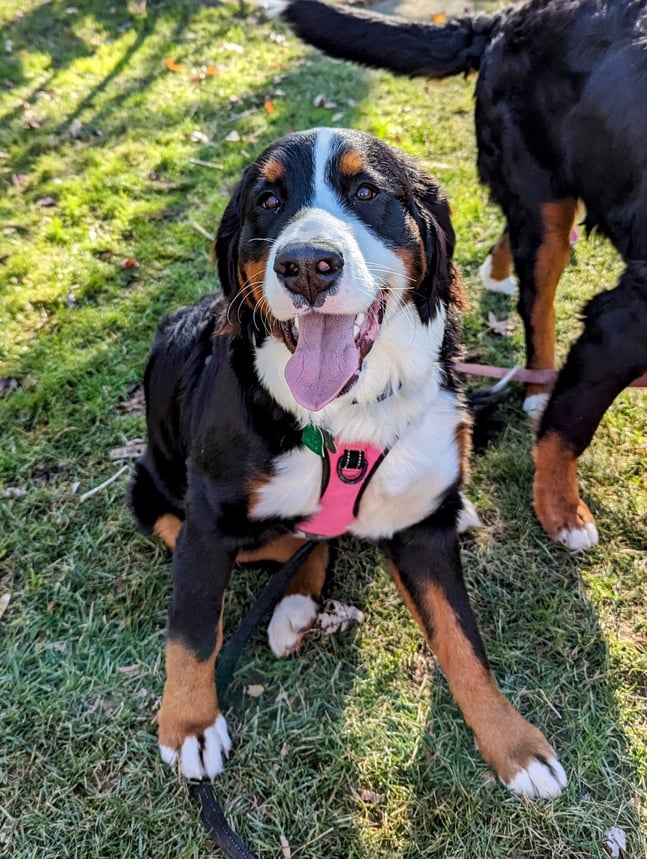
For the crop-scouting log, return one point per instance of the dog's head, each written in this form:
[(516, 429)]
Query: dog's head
[(329, 236)]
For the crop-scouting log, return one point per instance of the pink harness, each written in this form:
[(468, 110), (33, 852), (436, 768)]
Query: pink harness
[(347, 471)]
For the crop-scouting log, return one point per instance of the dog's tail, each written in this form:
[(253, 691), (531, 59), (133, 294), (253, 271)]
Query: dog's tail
[(385, 42)]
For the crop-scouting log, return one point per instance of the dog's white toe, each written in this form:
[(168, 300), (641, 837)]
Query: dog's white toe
[(292, 617), (201, 757), (577, 539), (534, 406), (540, 779), (507, 286)]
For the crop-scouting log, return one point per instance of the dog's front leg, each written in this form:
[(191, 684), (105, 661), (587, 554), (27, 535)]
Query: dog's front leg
[(424, 562), (192, 730)]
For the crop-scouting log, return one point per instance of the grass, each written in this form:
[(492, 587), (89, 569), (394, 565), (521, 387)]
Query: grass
[(355, 748)]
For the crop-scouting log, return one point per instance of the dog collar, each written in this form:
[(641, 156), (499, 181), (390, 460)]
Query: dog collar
[(346, 471)]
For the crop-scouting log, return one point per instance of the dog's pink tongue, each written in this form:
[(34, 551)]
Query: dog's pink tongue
[(325, 360)]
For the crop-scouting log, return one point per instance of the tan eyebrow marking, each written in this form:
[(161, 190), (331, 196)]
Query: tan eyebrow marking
[(273, 170), (351, 163)]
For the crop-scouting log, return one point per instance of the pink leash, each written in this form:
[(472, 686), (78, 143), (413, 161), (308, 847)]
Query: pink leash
[(516, 374)]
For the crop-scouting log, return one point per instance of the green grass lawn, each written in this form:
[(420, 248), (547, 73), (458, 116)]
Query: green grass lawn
[(114, 169)]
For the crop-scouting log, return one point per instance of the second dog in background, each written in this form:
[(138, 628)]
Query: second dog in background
[(560, 118)]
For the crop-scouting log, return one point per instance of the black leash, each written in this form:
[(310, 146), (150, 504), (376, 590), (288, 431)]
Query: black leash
[(211, 814)]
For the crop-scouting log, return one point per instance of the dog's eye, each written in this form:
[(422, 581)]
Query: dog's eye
[(269, 201), (365, 192)]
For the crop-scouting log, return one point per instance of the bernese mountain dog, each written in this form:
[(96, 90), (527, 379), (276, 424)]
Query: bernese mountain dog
[(315, 397), (560, 118)]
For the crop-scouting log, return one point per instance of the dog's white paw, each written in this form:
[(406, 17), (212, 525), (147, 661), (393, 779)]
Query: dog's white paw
[(534, 406), (201, 756), (577, 539), (507, 286), (292, 618), (541, 779)]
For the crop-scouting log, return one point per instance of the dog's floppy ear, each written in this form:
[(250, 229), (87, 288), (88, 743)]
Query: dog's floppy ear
[(224, 250), (432, 214)]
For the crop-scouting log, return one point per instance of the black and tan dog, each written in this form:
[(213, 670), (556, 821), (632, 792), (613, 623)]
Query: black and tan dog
[(560, 118), (316, 396)]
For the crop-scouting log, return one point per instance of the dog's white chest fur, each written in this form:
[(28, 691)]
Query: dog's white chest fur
[(421, 464)]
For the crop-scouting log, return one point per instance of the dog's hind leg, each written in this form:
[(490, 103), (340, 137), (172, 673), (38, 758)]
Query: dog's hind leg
[(608, 356), (296, 613), (542, 249), (425, 564)]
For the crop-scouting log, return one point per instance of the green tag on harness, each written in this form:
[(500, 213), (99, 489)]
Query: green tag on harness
[(318, 440)]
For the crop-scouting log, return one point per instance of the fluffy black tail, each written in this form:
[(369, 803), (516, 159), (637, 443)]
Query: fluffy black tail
[(383, 42)]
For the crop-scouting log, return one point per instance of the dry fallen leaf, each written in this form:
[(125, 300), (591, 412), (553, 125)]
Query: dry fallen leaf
[(132, 450), (285, 847), (255, 690), (615, 842), (269, 107), (210, 71), (336, 617), (128, 669), (4, 602), (500, 326), (172, 66), (198, 136), (232, 47), (135, 404), (370, 797), (129, 262)]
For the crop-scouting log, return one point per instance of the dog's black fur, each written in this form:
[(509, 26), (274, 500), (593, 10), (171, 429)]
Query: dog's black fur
[(560, 117)]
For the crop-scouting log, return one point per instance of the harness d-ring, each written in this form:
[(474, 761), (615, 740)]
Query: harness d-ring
[(354, 461)]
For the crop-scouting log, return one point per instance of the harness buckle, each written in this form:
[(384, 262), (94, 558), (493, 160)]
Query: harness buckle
[(352, 466)]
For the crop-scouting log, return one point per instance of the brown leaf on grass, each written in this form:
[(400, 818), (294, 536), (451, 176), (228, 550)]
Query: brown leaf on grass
[(210, 71), (368, 797), (135, 404), (269, 107), (129, 262), (172, 66), (503, 327), (615, 842), (285, 847), (254, 690), (128, 670), (132, 450), (337, 617)]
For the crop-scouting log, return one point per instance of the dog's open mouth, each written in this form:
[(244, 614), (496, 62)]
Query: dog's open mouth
[(328, 351)]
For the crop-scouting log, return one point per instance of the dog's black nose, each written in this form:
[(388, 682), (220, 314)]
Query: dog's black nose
[(309, 269)]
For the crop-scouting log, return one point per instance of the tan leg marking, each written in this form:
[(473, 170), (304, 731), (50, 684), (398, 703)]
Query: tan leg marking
[(464, 442), (556, 498), (309, 578), (552, 258), (505, 739), (502, 258), (190, 700), (168, 528)]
